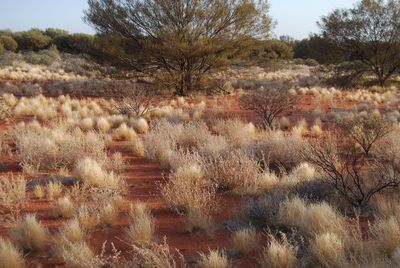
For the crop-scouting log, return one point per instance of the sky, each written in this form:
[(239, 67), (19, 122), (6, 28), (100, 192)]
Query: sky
[(296, 18)]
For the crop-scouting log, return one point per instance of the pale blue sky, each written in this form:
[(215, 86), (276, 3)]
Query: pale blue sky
[(296, 18)]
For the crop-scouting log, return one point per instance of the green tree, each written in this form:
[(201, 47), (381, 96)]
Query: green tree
[(179, 42), (370, 32), (32, 40), (8, 43)]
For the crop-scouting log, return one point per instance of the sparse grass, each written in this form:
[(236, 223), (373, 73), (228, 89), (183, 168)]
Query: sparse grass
[(29, 234), (88, 218), (54, 189), (12, 192), (245, 240), (328, 250), (72, 232)]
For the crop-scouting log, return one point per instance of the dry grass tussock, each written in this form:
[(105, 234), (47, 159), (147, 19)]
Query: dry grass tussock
[(12, 192), (64, 207), (246, 240), (29, 233), (279, 253), (214, 259), (10, 256)]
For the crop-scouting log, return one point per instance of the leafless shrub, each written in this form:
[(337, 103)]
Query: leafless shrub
[(268, 103), (365, 129), (356, 175), (136, 102)]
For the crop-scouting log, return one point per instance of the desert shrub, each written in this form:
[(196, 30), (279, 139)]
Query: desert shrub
[(51, 149), (5, 111), (235, 171), (8, 43), (214, 259), (245, 240), (136, 103), (2, 49), (263, 211), (279, 253), (188, 190), (365, 129), (10, 256), (44, 57), (32, 40), (356, 175), (237, 133), (29, 234), (268, 103), (311, 62)]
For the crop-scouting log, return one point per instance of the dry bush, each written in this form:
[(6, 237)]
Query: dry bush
[(268, 103), (237, 132), (235, 171), (136, 103), (108, 215), (278, 254), (152, 255), (245, 240), (72, 232), (365, 129), (5, 111), (64, 207), (328, 250), (188, 190), (214, 259), (29, 234), (93, 174), (356, 175), (141, 229), (10, 256)]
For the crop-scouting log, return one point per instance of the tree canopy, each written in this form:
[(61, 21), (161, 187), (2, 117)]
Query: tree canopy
[(179, 42)]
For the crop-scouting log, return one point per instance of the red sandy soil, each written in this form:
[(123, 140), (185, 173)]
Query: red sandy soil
[(144, 177)]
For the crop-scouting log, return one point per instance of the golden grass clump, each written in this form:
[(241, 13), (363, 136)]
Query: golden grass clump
[(278, 254), (29, 234), (88, 218), (214, 259), (64, 207), (123, 132), (10, 256), (72, 232), (387, 232), (54, 189), (328, 250), (38, 191), (141, 229), (245, 240), (108, 214)]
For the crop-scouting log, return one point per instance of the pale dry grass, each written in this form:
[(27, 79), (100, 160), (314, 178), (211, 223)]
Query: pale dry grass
[(141, 229), (245, 240), (64, 207), (328, 250), (72, 232), (88, 217), (10, 256), (54, 189), (214, 259), (278, 254), (29, 233), (108, 215), (39, 192)]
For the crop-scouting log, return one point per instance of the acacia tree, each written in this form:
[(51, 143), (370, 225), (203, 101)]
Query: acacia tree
[(370, 32), (179, 42)]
